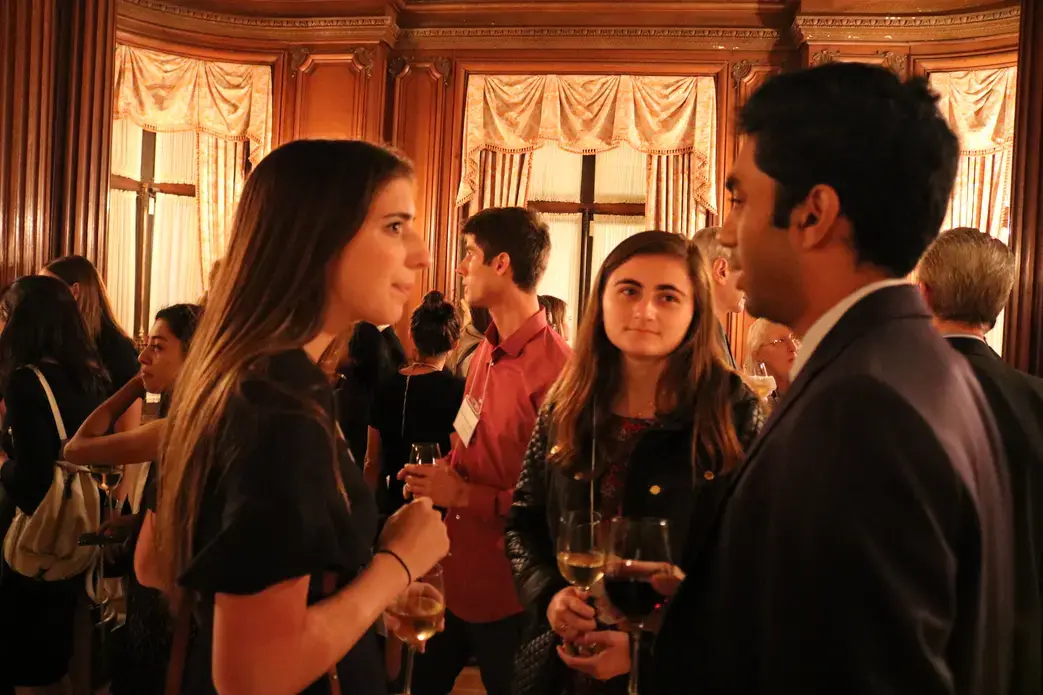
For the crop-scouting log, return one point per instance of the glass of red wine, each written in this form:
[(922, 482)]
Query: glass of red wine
[(638, 551)]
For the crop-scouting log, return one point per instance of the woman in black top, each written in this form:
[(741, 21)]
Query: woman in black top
[(42, 328), (142, 649), (256, 528), (416, 404), (118, 354), (646, 409)]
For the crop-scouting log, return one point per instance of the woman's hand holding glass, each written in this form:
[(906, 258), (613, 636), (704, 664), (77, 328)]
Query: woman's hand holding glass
[(417, 535), (569, 614)]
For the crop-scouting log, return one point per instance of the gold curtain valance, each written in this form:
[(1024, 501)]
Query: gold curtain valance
[(592, 113), (164, 92), (979, 107)]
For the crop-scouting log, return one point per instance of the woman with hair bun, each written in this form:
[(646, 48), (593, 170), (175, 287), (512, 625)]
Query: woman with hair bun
[(418, 403)]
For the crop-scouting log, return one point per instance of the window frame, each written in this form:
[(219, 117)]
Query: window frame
[(146, 189)]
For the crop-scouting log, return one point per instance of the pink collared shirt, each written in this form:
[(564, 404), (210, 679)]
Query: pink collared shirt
[(513, 376)]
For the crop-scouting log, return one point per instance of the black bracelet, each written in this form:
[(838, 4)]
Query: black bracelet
[(392, 553)]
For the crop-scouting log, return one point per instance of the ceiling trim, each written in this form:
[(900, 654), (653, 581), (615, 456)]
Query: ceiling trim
[(307, 30), (909, 28), (588, 38)]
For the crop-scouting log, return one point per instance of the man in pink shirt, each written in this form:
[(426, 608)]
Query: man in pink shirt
[(510, 374)]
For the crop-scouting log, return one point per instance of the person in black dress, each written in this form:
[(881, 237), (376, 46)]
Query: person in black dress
[(141, 650), (416, 404), (42, 328), (373, 356), (118, 353), (259, 529)]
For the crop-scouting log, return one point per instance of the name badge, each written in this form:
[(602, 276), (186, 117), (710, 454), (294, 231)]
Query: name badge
[(466, 421)]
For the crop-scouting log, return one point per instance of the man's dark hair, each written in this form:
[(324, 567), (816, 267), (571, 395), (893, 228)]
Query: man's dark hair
[(519, 233), (882, 145)]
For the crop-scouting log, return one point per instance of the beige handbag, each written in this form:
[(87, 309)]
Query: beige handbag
[(45, 545)]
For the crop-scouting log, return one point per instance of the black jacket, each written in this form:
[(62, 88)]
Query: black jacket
[(1016, 400), (864, 548), (660, 483)]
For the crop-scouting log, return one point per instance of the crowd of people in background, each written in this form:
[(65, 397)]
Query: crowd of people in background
[(869, 524)]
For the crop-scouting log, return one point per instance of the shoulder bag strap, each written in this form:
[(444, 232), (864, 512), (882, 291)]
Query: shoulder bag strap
[(59, 423)]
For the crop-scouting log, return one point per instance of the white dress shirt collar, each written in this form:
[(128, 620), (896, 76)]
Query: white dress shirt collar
[(968, 336), (825, 323)]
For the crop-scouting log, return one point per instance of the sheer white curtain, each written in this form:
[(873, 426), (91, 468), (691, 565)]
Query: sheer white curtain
[(126, 149), (607, 231), (556, 174), (176, 272), (176, 157), (620, 176), (561, 279), (120, 261)]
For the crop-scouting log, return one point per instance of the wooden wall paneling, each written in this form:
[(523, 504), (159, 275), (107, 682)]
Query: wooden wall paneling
[(334, 91), (83, 132), (419, 99), (1023, 343), (27, 52)]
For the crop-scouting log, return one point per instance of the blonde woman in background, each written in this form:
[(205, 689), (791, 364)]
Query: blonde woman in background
[(775, 347)]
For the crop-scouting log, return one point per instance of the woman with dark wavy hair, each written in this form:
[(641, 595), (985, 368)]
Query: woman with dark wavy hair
[(42, 328)]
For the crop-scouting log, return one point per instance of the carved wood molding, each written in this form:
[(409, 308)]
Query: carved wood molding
[(908, 29), (303, 60), (740, 71), (823, 57), (298, 56), (895, 62), (282, 29), (588, 38), (440, 68)]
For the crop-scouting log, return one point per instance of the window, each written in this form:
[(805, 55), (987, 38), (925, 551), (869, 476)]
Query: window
[(153, 246), (590, 203)]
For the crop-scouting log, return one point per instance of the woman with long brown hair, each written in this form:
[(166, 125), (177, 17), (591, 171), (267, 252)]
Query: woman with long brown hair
[(257, 522), (119, 356), (647, 419)]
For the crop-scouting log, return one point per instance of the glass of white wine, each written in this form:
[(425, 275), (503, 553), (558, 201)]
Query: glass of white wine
[(761, 382), (420, 613), (581, 550)]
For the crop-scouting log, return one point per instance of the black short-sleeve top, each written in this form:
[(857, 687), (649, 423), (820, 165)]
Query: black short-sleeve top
[(118, 356), (275, 512)]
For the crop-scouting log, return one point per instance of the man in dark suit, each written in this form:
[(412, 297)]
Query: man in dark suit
[(966, 278), (866, 546)]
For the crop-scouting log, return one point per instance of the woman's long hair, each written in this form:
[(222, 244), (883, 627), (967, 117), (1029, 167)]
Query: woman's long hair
[(43, 324), (696, 380), (299, 208), (93, 298)]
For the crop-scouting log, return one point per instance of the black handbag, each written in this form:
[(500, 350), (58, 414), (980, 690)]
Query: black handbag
[(537, 668)]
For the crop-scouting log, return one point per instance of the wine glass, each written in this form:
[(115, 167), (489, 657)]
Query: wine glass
[(420, 612), (425, 453), (638, 550), (581, 551), (760, 381), (106, 478)]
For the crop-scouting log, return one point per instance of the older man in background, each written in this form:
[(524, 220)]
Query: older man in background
[(966, 277), (727, 297)]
